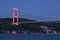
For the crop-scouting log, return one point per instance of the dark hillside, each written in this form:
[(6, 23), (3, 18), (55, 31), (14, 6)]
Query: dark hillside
[(37, 27)]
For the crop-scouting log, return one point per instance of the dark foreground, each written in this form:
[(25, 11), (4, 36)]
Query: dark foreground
[(29, 36), (6, 26)]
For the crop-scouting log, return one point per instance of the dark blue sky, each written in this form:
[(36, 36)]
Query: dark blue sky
[(43, 7)]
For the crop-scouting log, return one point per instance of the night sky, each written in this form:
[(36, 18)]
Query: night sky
[(40, 8)]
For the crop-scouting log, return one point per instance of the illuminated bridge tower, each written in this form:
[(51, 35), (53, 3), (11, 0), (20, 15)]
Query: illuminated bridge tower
[(15, 16)]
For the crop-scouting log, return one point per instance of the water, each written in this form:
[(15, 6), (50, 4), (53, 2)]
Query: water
[(29, 36)]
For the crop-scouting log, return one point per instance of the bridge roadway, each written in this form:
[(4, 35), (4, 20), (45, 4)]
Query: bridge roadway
[(26, 22), (16, 23)]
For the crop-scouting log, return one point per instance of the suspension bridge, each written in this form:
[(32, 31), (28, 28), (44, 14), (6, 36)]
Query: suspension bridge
[(15, 16)]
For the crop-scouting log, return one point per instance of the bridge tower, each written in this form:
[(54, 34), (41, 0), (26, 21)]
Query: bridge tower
[(15, 16)]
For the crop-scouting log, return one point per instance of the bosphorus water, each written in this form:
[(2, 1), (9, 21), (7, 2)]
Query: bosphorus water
[(29, 36)]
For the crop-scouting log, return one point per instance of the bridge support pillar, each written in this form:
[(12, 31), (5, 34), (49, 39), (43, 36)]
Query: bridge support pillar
[(15, 16)]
